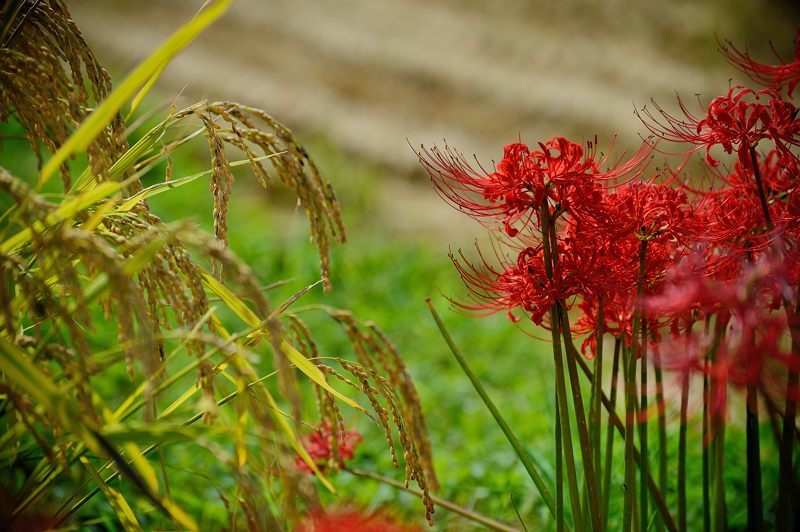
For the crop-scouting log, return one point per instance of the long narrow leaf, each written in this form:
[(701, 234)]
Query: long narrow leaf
[(524, 456), (295, 357), (117, 501), (160, 188)]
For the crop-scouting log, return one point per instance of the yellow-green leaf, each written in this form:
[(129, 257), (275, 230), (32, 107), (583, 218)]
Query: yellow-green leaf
[(294, 442), (160, 188), (296, 357), (118, 503), (142, 466)]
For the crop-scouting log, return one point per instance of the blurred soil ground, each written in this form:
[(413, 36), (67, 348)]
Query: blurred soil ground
[(372, 76)]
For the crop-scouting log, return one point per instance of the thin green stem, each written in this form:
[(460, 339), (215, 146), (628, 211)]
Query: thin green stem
[(762, 197), (718, 389), (580, 419), (523, 455), (566, 432), (597, 388), (644, 416), (609, 449), (662, 432), (655, 493), (629, 508), (706, 450), (488, 522), (720, 514), (561, 388), (630, 480), (590, 477), (785, 518), (559, 471), (682, 453), (755, 512)]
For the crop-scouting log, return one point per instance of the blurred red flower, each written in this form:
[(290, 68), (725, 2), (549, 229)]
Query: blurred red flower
[(784, 74), (326, 450), (353, 521)]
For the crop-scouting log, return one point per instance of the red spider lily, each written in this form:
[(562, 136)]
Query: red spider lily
[(648, 211), (733, 220), (353, 520), (785, 74), (326, 451), (787, 214), (523, 284), (736, 122), (561, 170), (603, 245), (779, 172), (510, 191), (750, 337)]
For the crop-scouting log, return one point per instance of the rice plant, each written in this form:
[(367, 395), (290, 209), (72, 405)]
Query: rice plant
[(201, 361)]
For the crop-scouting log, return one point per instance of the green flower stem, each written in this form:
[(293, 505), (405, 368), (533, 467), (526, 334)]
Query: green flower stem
[(595, 418), (706, 450), (561, 391), (762, 197), (629, 507), (629, 501), (755, 511), (580, 418), (644, 418), (786, 517), (597, 388), (559, 471), (682, 452), (590, 477), (662, 433), (566, 431), (720, 514), (655, 493), (609, 449), (716, 427), (523, 455)]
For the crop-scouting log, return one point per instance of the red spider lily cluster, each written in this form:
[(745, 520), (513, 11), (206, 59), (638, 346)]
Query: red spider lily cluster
[(329, 450), (703, 245), (354, 520), (701, 268)]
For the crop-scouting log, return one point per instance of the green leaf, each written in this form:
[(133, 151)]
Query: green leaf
[(296, 357), (117, 501), (522, 454)]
